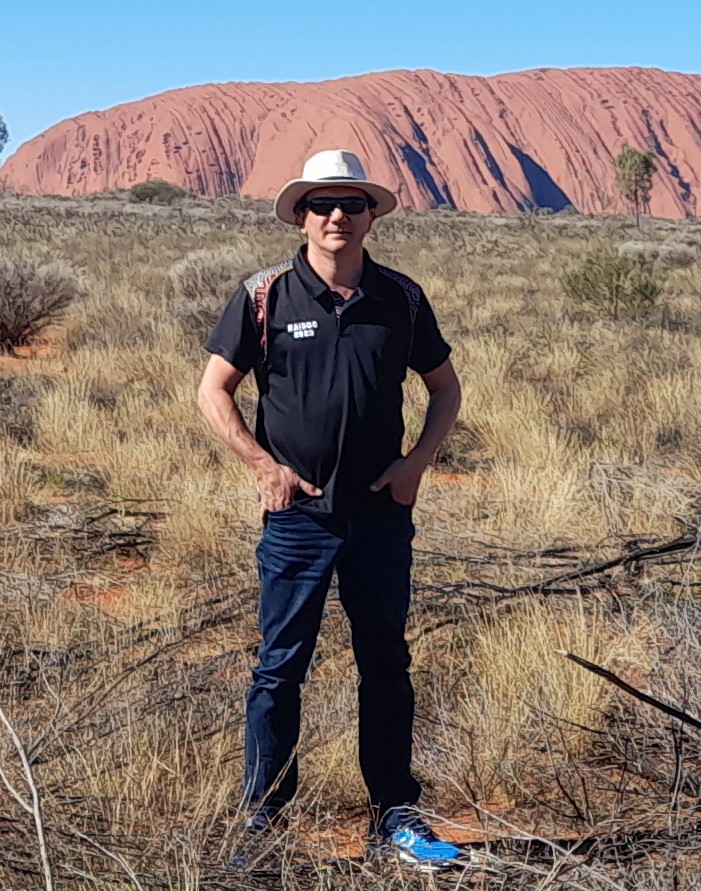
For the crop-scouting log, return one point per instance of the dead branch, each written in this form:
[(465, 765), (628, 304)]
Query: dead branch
[(685, 717), (112, 855), (35, 809)]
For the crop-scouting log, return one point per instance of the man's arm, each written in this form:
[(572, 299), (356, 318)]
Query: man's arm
[(404, 475), (444, 404), (277, 483)]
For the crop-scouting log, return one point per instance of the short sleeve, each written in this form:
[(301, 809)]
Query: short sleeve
[(428, 350), (235, 337)]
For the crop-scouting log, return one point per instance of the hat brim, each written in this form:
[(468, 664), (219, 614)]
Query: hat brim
[(291, 193)]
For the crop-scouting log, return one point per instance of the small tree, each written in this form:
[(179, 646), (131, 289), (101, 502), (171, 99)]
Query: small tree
[(634, 171), (4, 135), (618, 285)]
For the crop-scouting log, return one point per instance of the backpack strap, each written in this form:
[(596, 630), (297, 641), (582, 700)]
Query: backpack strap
[(258, 287), (412, 292)]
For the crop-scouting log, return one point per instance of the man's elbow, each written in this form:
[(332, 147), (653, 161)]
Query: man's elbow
[(452, 389), (454, 398), (457, 394), (203, 399)]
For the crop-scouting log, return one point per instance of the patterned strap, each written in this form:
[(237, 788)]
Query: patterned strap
[(410, 288), (412, 293), (258, 287)]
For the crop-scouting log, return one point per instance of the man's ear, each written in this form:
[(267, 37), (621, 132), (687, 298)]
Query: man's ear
[(299, 221)]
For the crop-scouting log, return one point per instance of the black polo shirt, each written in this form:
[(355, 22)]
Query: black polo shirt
[(330, 387)]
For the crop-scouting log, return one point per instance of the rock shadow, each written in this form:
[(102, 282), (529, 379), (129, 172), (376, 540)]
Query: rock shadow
[(545, 192), (419, 167)]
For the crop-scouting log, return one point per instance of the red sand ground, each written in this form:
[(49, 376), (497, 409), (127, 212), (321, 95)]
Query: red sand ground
[(482, 144), (20, 359)]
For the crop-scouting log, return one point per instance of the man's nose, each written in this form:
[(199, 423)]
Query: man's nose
[(337, 214)]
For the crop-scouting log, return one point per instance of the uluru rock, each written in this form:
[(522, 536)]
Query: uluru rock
[(542, 138)]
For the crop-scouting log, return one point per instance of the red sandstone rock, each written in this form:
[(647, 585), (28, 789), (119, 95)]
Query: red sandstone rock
[(543, 137)]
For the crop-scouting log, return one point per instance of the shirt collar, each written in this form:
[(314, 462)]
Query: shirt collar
[(316, 286)]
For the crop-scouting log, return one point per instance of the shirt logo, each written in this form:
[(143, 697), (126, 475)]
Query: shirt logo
[(299, 330)]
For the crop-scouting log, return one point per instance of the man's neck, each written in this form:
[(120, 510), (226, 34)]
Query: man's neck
[(341, 272)]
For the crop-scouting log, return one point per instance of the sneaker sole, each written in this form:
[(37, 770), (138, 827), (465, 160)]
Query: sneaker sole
[(471, 860), (402, 858), (427, 866)]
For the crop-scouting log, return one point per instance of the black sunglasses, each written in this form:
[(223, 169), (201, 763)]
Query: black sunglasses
[(324, 207)]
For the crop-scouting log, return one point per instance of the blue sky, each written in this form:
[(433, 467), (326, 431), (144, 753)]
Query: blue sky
[(62, 58)]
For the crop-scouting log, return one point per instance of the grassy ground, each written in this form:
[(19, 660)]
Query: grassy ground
[(128, 580)]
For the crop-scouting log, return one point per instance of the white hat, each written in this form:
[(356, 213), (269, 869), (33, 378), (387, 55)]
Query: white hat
[(336, 167)]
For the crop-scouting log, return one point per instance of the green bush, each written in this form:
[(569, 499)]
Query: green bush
[(202, 283), (32, 296), (618, 285), (156, 191)]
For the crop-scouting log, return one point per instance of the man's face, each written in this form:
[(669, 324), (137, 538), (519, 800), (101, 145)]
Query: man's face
[(337, 231)]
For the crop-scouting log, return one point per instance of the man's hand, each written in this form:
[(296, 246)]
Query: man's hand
[(403, 477), (277, 485)]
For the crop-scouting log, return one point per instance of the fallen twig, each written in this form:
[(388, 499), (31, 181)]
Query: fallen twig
[(685, 717), (553, 584), (35, 809)]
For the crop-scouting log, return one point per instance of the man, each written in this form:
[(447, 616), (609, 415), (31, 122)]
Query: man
[(330, 336)]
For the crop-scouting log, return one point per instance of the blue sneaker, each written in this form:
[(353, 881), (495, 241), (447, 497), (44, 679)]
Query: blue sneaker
[(403, 835)]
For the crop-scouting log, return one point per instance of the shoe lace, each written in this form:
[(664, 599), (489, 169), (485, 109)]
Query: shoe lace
[(410, 820)]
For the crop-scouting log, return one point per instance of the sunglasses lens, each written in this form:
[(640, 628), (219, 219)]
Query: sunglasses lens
[(352, 205), (324, 207)]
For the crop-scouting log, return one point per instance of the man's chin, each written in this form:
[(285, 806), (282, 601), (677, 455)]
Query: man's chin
[(338, 241)]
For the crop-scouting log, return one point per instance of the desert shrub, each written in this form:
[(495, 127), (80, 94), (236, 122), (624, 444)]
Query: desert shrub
[(669, 437), (156, 191), (18, 395), (615, 284), (673, 256), (33, 295), (457, 453), (203, 281)]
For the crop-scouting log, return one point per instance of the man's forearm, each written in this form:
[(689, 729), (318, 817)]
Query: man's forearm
[(225, 418), (440, 416)]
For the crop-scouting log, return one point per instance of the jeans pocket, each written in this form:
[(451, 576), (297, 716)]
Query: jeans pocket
[(273, 515), (283, 510)]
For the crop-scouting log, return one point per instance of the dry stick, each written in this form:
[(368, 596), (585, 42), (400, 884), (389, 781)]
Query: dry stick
[(639, 554), (547, 586), (638, 694), (112, 855), (39, 741), (35, 810), (14, 793)]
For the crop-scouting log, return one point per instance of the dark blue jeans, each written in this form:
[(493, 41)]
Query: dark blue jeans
[(297, 555)]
